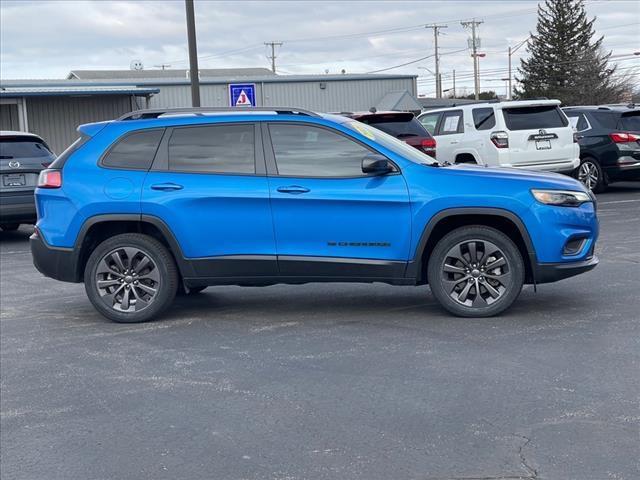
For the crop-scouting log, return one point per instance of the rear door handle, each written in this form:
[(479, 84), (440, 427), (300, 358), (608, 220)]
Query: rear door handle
[(293, 189), (166, 187)]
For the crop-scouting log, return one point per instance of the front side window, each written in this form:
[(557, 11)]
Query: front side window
[(533, 118), (135, 151), (429, 121), (451, 123), (213, 149), (309, 151), (483, 118)]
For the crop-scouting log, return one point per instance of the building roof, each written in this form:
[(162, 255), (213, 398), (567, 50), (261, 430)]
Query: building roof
[(11, 92), (398, 100), (167, 73), (203, 80)]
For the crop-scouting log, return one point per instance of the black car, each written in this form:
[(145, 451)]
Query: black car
[(609, 138), (402, 125), (22, 157)]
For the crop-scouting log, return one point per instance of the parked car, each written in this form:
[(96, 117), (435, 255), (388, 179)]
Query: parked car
[(609, 138), (531, 134), (159, 198), (22, 157), (402, 125)]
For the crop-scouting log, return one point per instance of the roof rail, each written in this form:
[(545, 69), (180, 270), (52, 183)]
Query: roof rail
[(155, 113)]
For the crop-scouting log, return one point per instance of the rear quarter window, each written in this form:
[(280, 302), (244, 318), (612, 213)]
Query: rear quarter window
[(533, 118), (483, 118), (134, 151)]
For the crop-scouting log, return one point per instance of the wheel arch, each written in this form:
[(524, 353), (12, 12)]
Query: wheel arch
[(466, 157), (449, 219), (100, 227)]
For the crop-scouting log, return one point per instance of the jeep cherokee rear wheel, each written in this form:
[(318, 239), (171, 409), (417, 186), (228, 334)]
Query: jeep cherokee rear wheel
[(476, 272), (131, 278)]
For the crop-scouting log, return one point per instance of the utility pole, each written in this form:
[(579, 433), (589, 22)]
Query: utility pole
[(511, 52), (193, 54), (475, 43), (454, 84), (273, 53), (436, 32)]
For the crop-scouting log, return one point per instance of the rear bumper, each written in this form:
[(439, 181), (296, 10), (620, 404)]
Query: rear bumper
[(552, 272), (627, 168), (57, 263), (566, 167), (18, 208)]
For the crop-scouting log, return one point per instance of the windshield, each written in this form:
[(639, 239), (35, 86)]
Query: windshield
[(22, 148), (392, 143), (630, 121)]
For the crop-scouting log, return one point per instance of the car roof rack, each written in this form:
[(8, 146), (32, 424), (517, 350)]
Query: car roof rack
[(155, 113)]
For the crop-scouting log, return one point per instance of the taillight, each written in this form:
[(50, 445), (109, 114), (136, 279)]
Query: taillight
[(622, 137), (500, 139), (50, 179)]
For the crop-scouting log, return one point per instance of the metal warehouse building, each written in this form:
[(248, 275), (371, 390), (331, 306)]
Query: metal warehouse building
[(54, 108)]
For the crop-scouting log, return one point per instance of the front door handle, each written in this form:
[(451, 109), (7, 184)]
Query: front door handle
[(166, 187), (293, 189)]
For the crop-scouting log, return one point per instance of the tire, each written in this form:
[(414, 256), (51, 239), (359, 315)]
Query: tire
[(136, 266), (449, 284), (590, 174), (9, 227)]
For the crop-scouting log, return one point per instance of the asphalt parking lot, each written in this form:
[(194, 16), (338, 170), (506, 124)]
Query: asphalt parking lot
[(327, 381)]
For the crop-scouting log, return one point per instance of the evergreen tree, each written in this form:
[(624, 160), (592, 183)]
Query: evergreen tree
[(566, 62)]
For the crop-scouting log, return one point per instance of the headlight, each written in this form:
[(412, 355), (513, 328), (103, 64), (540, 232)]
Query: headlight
[(563, 198)]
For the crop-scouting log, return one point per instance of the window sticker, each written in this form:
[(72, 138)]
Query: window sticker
[(364, 130), (451, 124)]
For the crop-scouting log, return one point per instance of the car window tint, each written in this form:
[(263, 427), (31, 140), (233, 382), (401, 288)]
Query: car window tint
[(578, 121), (606, 119), (630, 121), (532, 118), (451, 123), (213, 149), (22, 148), (484, 118), (135, 151), (429, 121), (308, 151), (400, 128)]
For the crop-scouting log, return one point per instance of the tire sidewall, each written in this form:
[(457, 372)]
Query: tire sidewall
[(506, 245), (157, 253), (601, 183)]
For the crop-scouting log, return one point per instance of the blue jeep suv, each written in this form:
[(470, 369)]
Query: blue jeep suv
[(162, 201)]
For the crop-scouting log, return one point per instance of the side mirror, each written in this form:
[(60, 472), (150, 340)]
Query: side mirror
[(376, 165)]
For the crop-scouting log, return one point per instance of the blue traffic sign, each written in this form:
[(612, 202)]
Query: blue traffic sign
[(242, 94)]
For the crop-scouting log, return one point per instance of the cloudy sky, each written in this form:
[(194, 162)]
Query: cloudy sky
[(46, 39)]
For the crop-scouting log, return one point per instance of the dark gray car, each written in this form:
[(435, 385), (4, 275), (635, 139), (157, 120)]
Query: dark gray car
[(22, 157)]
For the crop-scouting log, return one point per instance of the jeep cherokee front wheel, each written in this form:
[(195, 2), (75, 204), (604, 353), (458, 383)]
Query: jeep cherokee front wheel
[(476, 271), (131, 278)]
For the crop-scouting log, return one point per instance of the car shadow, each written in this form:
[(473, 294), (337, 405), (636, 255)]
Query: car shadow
[(19, 236)]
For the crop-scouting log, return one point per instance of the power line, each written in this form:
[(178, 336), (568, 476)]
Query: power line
[(413, 61)]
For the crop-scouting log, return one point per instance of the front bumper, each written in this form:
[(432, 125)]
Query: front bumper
[(57, 263), (552, 272), (18, 208)]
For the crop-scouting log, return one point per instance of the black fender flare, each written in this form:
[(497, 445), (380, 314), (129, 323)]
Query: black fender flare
[(414, 268), (184, 266)]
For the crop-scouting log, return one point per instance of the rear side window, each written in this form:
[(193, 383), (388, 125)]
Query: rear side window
[(532, 118), (308, 151), (630, 121), (429, 121), (22, 147), (483, 118), (451, 123), (134, 151), (400, 129), (213, 149)]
